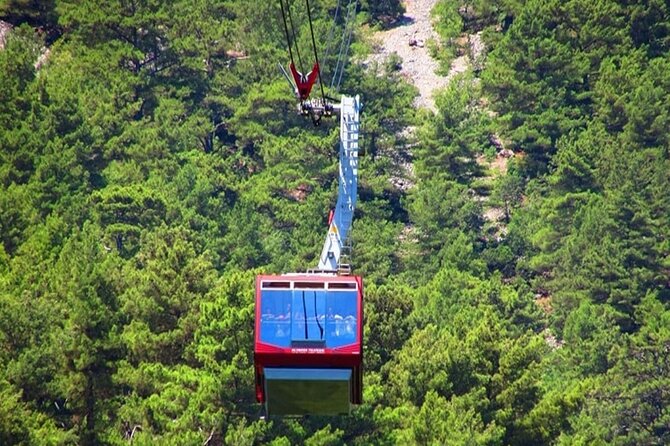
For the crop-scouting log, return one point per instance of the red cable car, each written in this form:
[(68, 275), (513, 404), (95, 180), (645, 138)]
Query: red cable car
[(308, 344)]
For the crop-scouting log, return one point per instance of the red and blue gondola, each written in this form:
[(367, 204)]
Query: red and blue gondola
[(308, 344)]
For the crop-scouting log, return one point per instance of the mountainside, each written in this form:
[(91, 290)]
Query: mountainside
[(513, 236)]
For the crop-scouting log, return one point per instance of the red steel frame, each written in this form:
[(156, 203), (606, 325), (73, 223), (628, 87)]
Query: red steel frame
[(348, 356)]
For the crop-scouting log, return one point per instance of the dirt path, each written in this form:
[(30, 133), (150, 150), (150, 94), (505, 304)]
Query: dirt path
[(409, 41)]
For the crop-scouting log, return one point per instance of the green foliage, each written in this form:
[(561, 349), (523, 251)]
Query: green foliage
[(507, 193), (17, 108), (21, 426), (449, 23), (388, 325), (36, 13), (376, 249), (449, 26), (455, 421), (449, 140), (124, 211), (627, 404), (383, 12)]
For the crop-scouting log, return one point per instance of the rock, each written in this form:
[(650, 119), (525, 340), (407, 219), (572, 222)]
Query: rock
[(496, 142), (506, 153), (4, 30), (42, 59)]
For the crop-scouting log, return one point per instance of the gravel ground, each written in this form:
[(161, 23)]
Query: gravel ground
[(417, 65)]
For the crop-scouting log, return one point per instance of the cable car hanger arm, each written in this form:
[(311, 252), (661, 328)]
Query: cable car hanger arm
[(340, 223)]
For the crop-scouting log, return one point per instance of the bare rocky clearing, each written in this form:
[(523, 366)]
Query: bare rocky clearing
[(409, 40)]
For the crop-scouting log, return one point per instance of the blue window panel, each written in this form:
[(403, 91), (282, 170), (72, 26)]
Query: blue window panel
[(276, 317), (309, 312), (341, 318)]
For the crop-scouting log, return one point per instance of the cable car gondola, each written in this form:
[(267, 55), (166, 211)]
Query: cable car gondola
[(308, 343)]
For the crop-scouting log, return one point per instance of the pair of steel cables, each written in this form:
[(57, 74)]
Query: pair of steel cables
[(344, 42)]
